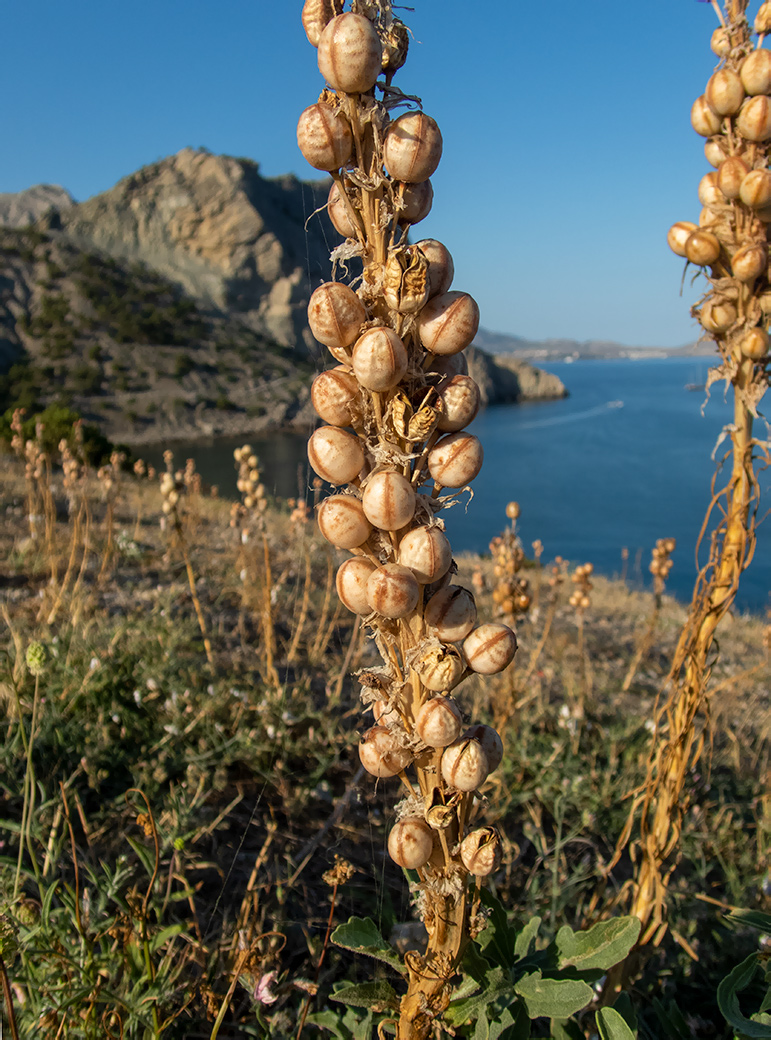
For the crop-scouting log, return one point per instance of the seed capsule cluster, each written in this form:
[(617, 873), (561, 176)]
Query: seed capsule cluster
[(661, 563), (396, 405), (581, 578), (511, 593), (730, 239)]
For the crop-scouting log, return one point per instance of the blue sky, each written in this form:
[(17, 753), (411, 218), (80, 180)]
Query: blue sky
[(568, 147)]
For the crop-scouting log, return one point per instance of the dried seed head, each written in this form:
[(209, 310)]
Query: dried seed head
[(335, 315), (715, 151), (405, 280), (448, 323), (754, 120), (410, 843), (702, 248), (720, 43), (724, 92), (426, 552), (491, 743), (335, 455), (464, 765), (754, 344), (451, 613), (755, 189), (441, 269), (709, 193), (315, 16), (679, 234), (351, 583), (332, 393), (730, 175), (396, 43), (342, 521), (389, 500), (339, 213), (490, 648), (379, 359), (380, 753), (460, 400), (412, 148), (350, 54), (440, 668), (717, 315), (324, 137), (704, 119), (749, 262), (480, 851), (756, 72), (439, 722), (392, 591), (417, 200), (762, 24), (456, 459)]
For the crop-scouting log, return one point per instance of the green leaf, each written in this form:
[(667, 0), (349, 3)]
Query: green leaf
[(379, 996), (163, 936), (497, 938), (751, 918), (612, 1026), (671, 1020), (349, 1027), (525, 943), (568, 1029), (496, 985), (552, 998), (48, 898), (601, 947), (511, 1027), (361, 935), (625, 1008), (728, 999), (482, 1028)]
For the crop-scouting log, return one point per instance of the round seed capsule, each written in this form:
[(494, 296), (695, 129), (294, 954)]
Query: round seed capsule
[(440, 669), (316, 14), (438, 722), (339, 213), (490, 648), (335, 455), (679, 234), (449, 365), (379, 359), (464, 765), (754, 120), (380, 753), (342, 521), (755, 72), (441, 269), (460, 400), (351, 583), (335, 315), (702, 248), (449, 322), (720, 43), (350, 54), (332, 394), (455, 460), (709, 193), (324, 137), (410, 843), (417, 200), (749, 263), (730, 175), (451, 613), (714, 151), (412, 148), (480, 851), (754, 344), (762, 23), (717, 315), (426, 552), (393, 591), (724, 92), (492, 745), (389, 500), (755, 190), (705, 120)]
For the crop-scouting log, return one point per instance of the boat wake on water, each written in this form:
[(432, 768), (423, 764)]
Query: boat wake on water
[(557, 420)]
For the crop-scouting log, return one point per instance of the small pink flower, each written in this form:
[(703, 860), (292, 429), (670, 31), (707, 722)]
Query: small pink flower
[(263, 991)]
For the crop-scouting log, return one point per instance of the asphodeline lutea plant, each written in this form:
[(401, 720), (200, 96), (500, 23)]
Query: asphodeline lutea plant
[(395, 408)]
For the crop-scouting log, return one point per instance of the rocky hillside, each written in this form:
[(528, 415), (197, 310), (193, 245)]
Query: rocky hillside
[(21, 208)]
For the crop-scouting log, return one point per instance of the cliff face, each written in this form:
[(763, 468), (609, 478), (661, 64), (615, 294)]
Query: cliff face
[(503, 379)]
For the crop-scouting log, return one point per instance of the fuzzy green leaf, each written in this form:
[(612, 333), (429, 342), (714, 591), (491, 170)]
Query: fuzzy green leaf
[(349, 1027), (612, 1026), (361, 935), (728, 999), (497, 938), (525, 942), (164, 936), (601, 947), (751, 918), (496, 985), (553, 998), (379, 996), (566, 1030)]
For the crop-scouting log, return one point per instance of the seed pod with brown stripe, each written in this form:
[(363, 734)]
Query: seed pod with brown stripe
[(426, 552), (392, 591), (715, 150), (749, 262), (324, 137), (335, 455), (480, 851), (709, 192), (717, 315), (702, 248), (380, 753), (412, 148), (350, 54), (389, 500), (440, 669), (448, 323), (490, 648), (335, 315), (704, 119), (754, 344), (379, 359), (410, 843), (755, 190), (332, 394), (441, 269), (460, 399), (316, 14), (416, 200), (730, 175), (724, 92), (464, 765), (455, 460), (342, 521), (492, 745), (439, 722), (754, 120), (451, 613), (756, 72), (351, 584), (339, 213), (679, 234)]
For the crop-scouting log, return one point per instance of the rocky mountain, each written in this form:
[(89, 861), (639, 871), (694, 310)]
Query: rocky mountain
[(21, 208), (560, 349)]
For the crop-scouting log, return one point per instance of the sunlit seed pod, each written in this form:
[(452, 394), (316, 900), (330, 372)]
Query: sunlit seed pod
[(342, 521), (492, 745), (380, 753), (448, 323), (393, 591), (754, 344), (405, 280), (335, 455), (410, 843), (584, 603), (339, 213), (756, 72), (709, 193), (389, 500), (441, 269), (350, 54), (324, 137), (379, 359), (678, 235), (464, 765), (702, 248), (438, 722), (705, 120), (451, 613), (417, 200), (708, 218), (730, 175), (316, 14), (440, 669), (490, 648), (335, 315), (381, 710), (717, 316), (332, 394), (513, 510), (754, 120), (762, 23), (455, 460), (715, 151), (449, 365), (765, 302), (426, 552), (396, 44), (480, 851), (460, 400), (724, 92), (351, 583), (749, 262), (412, 148), (755, 190), (720, 43)]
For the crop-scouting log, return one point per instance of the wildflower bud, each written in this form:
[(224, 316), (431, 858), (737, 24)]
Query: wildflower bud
[(350, 54), (379, 359), (460, 399), (441, 269), (455, 460), (480, 851), (324, 137), (438, 723), (351, 584), (388, 500), (410, 843), (449, 323), (36, 658), (339, 213), (335, 455), (755, 189), (332, 394), (704, 119), (412, 148), (335, 315), (749, 263), (392, 591), (342, 521), (679, 234), (440, 669), (381, 754), (490, 648), (417, 200), (754, 344), (464, 765), (426, 552), (490, 741), (754, 120), (724, 92), (451, 613)]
